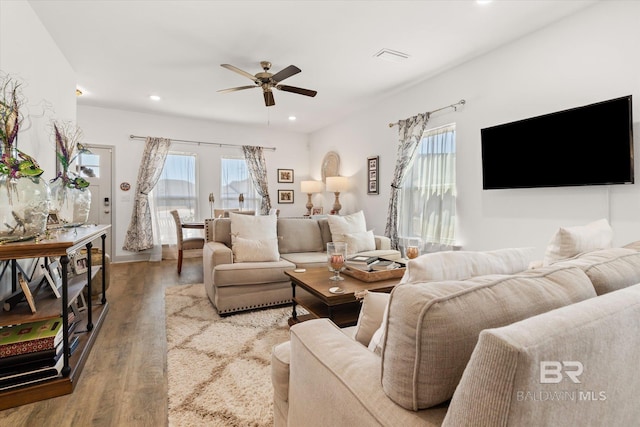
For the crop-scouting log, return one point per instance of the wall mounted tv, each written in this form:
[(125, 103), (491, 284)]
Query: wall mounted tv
[(589, 145)]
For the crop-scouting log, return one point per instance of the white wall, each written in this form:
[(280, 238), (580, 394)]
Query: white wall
[(28, 53), (586, 58), (113, 127)]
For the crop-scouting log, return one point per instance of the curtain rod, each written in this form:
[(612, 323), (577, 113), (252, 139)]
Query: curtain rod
[(454, 106), (219, 144)]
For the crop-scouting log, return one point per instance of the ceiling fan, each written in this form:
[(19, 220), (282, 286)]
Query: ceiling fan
[(267, 81)]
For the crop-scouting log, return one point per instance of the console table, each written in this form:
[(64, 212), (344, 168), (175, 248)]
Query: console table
[(62, 243)]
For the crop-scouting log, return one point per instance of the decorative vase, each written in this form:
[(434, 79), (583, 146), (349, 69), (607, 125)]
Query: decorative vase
[(24, 207), (70, 204)]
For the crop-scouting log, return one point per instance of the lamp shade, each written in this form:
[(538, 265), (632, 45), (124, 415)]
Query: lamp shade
[(311, 187), (337, 184)]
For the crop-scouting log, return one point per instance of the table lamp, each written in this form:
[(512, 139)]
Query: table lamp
[(337, 184), (310, 187)]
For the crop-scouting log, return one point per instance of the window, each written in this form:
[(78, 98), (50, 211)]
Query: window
[(88, 165), (176, 189), (427, 203), (235, 180)]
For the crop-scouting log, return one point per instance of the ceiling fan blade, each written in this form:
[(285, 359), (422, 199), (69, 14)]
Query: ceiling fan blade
[(298, 90), (285, 73), (268, 98), (239, 71), (234, 89)]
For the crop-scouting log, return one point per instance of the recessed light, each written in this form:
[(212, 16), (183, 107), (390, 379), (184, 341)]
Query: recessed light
[(292, 118), (154, 97), (483, 1)]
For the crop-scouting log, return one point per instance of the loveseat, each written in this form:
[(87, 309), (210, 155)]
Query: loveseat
[(552, 345), (237, 281)]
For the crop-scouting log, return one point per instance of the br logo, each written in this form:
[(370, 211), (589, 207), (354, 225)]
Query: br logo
[(551, 372)]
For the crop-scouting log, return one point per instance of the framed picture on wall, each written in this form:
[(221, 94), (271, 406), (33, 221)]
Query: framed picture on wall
[(317, 211), (285, 196), (285, 176), (372, 174)]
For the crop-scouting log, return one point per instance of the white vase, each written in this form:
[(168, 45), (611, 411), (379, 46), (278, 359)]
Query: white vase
[(70, 204), (24, 207)]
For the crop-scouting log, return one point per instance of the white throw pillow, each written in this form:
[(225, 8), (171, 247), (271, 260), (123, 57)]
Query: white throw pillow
[(254, 250), (254, 238), (462, 265), (374, 305), (376, 344), (353, 224), (254, 226), (571, 241), (360, 242)]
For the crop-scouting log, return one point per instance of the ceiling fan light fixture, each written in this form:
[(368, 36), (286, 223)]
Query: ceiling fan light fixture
[(391, 55), (267, 81)]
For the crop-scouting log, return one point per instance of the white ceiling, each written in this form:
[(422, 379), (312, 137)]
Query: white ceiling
[(124, 51)]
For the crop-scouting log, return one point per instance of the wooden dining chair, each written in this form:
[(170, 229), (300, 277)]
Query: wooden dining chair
[(185, 244)]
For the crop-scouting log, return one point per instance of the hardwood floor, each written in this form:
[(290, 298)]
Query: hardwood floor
[(124, 380)]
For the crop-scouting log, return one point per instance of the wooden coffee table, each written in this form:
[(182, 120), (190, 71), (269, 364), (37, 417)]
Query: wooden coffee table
[(313, 294)]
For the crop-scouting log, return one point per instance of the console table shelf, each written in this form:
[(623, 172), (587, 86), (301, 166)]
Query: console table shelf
[(64, 243)]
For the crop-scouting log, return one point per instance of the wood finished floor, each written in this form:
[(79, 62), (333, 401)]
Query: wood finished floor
[(124, 381)]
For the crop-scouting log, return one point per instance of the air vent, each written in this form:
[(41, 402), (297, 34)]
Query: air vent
[(391, 55)]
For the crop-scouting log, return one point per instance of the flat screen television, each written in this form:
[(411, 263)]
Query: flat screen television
[(589, 145)]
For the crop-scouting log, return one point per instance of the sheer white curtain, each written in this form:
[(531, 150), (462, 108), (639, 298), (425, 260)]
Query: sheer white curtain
[(235, 179), (428, 197), (176, 189)]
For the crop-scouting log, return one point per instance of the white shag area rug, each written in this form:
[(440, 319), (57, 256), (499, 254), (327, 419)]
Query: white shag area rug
[(218, 368)]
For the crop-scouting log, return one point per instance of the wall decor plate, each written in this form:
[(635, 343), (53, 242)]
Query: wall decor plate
[(330, 165)]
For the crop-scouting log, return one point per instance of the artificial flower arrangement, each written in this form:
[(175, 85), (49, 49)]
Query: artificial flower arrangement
[(13, 163), (68, 148), (24, 196)]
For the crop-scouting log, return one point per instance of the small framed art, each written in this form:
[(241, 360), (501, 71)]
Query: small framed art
[(317, 211), (285, 196), (372, 175), (80, 264), (285, 176), (52, 220)]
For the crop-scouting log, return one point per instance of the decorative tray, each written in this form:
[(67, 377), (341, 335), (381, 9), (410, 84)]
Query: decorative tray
[(374, 276)]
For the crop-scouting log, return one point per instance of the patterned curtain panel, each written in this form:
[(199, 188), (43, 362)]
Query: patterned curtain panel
[(140, 234), (410, 131), (258, 171)]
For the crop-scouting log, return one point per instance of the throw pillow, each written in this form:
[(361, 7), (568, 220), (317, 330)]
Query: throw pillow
[(254, 238), (349, 228), (254, 250), (462, 265), (253, 226), (571, 241), (374, 305), (360, 242), (433, 327)]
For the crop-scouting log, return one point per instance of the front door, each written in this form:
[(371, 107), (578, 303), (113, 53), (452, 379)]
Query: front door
[(96, 167)]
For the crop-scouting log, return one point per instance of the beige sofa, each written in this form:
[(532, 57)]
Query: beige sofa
[(237, 286), (556, 344)]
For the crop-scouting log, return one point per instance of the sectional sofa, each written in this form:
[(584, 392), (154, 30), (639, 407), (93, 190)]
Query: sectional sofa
[(457, 345), (238, 280)]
